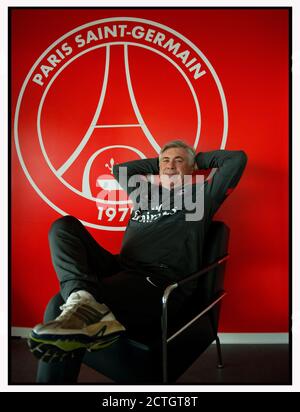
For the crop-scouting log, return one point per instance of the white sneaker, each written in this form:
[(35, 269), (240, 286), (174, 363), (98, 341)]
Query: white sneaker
[(83, 324)]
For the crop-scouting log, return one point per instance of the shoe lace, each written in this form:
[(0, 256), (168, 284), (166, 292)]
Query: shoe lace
[(68, 309)]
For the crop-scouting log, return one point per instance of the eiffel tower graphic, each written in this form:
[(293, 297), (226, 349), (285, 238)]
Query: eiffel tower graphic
[(116, 84)]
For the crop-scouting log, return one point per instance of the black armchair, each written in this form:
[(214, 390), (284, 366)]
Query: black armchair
[(165, 358)]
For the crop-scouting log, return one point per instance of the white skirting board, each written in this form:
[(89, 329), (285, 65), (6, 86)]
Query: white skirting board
[(225, 338)]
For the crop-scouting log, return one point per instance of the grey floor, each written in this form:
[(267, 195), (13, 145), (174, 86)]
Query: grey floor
[(244, 365)]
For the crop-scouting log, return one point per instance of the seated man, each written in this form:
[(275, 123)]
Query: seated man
[(103, 295)]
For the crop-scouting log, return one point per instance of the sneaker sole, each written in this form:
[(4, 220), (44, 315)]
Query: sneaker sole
[(52, 354), (65, 348)]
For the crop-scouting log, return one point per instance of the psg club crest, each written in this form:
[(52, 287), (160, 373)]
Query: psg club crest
[(107, 92)]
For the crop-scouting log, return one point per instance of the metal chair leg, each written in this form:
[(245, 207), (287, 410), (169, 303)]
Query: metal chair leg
[(220, 364), (164, 323)]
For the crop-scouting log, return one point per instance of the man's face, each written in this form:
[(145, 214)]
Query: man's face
[(174, 163)]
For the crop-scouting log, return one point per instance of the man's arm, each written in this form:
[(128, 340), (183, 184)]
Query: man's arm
[(230, 164), (136, 167)]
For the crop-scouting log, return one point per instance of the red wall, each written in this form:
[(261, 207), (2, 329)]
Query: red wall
[(248, 49)]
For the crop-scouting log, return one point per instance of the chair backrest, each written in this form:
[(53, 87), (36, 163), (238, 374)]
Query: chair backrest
[(211, 284), (216, 247)]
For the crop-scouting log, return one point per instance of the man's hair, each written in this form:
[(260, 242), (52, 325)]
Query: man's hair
[(182, 145)]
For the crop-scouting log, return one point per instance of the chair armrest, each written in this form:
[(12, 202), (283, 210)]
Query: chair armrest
[(203, 271), (169, 289), (194, 276)]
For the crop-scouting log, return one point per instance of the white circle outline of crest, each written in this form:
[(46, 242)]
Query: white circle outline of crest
[(110, 19)]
